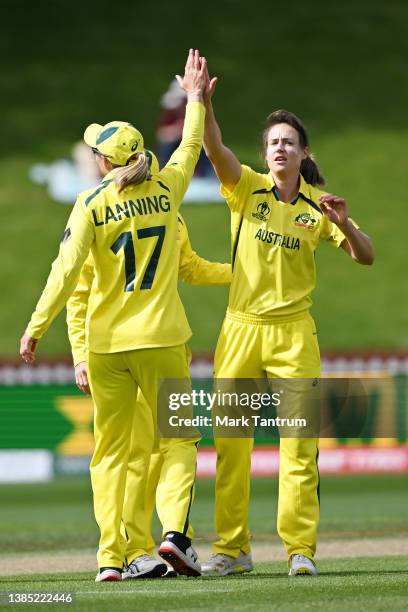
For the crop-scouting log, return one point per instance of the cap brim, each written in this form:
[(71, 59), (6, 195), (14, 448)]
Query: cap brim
[(91, 134)]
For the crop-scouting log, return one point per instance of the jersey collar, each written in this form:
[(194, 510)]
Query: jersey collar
[(304, 192)]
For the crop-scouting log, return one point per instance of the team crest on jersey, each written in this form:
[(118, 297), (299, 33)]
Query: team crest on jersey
[(306, 221), (262, 211)]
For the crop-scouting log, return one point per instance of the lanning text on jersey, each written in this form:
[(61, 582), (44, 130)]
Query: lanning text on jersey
[(142, 206)]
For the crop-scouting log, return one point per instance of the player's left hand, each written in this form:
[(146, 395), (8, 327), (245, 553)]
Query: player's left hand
[(335, 209), (28, 347), (81, 377), (209, 87)]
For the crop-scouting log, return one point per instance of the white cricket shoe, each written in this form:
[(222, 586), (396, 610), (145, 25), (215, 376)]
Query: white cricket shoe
[(144, 567), (108, 574), (223, 565), (299, 565), (176, 549)]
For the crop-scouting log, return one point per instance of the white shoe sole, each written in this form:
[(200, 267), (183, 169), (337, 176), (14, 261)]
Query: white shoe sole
[(178, 560), (302, 571), (239, 569), (109, 575)]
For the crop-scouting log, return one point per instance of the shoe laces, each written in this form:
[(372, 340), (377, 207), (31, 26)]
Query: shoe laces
[(133, 567)]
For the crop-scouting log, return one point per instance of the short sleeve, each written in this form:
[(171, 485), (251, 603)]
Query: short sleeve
[(237, 198), (331, 233)]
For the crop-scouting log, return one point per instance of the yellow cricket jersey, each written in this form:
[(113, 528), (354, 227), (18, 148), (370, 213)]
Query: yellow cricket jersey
[(196, 270), (133, 240), (193, 269), (77, 310), (273, 246)]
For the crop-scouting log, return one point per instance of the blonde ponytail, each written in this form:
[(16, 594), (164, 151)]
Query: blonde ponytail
[(135, 172)]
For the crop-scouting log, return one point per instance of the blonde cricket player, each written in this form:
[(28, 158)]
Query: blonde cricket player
[(141, 487), (137, 327), (277, 221)]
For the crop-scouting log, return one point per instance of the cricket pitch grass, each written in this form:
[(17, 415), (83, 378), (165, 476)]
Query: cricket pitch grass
[(48, 540)]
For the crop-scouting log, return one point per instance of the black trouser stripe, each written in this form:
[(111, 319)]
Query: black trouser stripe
[(187, 522), (318, 476), (127, 538)]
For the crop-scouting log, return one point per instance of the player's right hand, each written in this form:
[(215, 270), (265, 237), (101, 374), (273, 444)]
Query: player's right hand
[(194, 80), (27, 348), (81, 377)]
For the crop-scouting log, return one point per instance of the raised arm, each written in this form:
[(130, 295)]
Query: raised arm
[(226, 165), (182, 163)]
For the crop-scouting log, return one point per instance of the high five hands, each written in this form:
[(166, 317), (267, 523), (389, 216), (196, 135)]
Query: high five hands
[(195, 76), (196, 81)]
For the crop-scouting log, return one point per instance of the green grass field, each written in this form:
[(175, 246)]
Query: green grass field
[(92, 66), (46, 520), (58, 516), (376, 584)]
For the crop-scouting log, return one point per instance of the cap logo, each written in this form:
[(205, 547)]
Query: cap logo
[(134, 146), (105, 134)]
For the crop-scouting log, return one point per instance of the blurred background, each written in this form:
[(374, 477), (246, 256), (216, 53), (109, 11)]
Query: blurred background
[(342, 68)]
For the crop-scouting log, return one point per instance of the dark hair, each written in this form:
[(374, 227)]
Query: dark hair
[(308, 167)]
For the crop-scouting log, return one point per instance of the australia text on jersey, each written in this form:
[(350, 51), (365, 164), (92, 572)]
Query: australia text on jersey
[(287, 242)]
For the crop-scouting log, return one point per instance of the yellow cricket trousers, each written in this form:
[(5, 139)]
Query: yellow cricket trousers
[(251, 348), (115, 379), (143, 481)]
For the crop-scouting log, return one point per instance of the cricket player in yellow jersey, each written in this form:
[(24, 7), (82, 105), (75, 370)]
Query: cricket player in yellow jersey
[(137, 324), (141, 489), (277, 220)]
